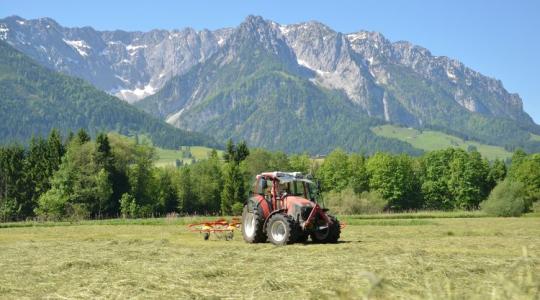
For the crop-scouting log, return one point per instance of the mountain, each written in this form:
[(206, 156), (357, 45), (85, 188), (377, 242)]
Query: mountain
[(130, 65), (33, 100), (299, 87), (252, 88)]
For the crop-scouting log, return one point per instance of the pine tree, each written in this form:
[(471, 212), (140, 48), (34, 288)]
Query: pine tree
[(14, 201), (233, 183), (229, 192), (105, 162), (56, 150), (186, 197), (38, 171), (82, 136)]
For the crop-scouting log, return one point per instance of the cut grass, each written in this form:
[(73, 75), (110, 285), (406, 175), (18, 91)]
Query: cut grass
[(191, 219), (445, 258), (422, 215), (428, 140)]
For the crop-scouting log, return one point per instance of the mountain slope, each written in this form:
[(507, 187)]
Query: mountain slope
[(253, 89), (245, 85), (34, 99)]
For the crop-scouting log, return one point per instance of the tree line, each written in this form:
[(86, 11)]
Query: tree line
[(112, 176)]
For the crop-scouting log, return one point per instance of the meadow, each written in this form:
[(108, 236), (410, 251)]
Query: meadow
[(429, 140), (168, 157), (407, 256)]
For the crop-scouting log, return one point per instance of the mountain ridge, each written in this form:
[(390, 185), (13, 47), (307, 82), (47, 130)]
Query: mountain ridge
[(172, 73)]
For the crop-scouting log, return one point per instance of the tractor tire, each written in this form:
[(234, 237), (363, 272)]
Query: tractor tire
[(329, 235), (281, 230), (252, 226), (302, 237)]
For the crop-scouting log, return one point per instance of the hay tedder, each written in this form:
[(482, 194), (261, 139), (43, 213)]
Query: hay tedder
[(283, 209), (221, 228)]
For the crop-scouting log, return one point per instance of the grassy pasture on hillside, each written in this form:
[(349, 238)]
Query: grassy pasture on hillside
[(168, 157), (428, 140), (380, 258), (535, 137)]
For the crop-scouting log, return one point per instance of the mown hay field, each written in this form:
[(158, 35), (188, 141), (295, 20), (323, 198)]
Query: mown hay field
[(440, 258)]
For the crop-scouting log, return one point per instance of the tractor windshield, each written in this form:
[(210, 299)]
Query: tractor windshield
[(298, 187)]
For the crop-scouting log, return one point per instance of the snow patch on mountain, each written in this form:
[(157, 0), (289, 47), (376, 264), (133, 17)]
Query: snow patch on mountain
[(284, 29), (305, 64), (357, 36), (451, 75), (122, 79), (136, 94), (3, 32), (132, 48), (172, 119), (81, 46)]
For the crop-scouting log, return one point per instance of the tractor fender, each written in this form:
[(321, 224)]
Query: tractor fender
[(275, 212)]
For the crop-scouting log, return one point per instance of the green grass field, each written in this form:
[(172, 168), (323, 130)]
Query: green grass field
[(168, 157), (433, 140), (442, 257)]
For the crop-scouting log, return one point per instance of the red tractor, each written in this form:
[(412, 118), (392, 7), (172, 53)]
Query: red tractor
[(283, 209)]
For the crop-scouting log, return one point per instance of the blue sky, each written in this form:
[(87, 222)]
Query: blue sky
[(500, 39)]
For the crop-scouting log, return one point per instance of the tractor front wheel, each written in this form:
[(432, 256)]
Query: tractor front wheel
[(329, 234), (281, 230)]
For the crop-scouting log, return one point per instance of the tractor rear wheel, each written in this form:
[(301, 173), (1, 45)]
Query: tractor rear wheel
[(328, 235), (281, 230), (252, 226)]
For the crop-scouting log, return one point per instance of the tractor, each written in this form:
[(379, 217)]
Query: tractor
[(283, 209)]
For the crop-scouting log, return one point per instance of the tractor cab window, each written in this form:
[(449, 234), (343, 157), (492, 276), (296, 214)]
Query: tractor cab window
[(264, 187), (284, 188), (292, 188), (312, 192), (297, 188)]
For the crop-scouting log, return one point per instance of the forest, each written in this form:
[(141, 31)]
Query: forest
[(110, 176)]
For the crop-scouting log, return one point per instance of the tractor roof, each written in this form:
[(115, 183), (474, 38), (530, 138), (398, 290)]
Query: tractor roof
[(285, 176)]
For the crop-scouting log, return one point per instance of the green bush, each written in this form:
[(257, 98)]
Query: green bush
[(51, 205), (237, 208), (507, 199), (536, 207), (128, 206), (77, 211), (347, 202)]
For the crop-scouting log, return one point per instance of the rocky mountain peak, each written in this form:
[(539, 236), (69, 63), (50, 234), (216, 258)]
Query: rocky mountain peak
[(257, 32)]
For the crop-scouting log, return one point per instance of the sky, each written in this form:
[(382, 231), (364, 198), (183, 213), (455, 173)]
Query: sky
[(500, 39)]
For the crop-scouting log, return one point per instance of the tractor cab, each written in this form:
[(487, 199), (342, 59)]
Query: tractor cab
[(277, 186)]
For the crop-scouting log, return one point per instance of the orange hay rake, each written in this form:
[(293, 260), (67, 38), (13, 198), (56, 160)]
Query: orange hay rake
[(221, 229)]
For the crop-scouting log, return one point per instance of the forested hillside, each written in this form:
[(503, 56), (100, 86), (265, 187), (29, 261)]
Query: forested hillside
[(33, 100)]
